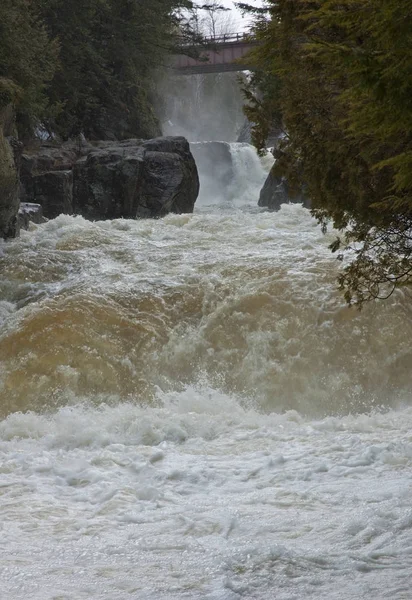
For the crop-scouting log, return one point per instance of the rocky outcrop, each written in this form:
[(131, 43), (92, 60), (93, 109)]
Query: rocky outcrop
[(10, 151), (132, 179), (45, 175), (107, 180), (275, 193), (170, 177), (54, 192)]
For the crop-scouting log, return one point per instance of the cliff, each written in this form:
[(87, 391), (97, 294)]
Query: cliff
[(9, 177)]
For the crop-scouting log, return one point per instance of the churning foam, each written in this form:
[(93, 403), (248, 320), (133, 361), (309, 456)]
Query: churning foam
[(244, 301), (199, 498)]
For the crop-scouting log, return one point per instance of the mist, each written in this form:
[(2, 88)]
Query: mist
[(203, 107)]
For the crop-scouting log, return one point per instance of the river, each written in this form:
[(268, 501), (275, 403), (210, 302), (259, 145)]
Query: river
[(188, 410)]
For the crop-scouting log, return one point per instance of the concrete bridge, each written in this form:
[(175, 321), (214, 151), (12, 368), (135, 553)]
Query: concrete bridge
[(225, 54)]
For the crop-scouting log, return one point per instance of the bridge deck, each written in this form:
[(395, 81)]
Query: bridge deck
[(226, 54)]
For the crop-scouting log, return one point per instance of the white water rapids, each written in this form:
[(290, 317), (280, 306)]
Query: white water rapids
[(189, 411)]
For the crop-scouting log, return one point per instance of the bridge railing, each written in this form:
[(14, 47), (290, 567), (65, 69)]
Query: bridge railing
[(226, 38)]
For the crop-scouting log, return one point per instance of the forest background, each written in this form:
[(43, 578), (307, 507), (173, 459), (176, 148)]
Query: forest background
[(89, 67)]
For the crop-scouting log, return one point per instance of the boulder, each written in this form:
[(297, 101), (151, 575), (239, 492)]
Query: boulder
[(10, 151), (170, 178), (52, 156), (30, 213), (275, 192), (107, 181), (132, 178)]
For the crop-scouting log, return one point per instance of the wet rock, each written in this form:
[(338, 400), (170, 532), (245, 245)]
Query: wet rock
[(9, 185), (214, 158), (170, 179), (52, 156), (30, 213), (275, 192), (107, 181), (45, 158), (10, 152), (132, 178), (53, 190)]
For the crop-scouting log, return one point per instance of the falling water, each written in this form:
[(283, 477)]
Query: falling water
[(189, 410)]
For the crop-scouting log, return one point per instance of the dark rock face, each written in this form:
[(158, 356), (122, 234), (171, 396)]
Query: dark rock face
[(275, 193), (37, 165), (170, 177), (214, 158), (54, 192), (108, 180), (10, 152), (9, 199)]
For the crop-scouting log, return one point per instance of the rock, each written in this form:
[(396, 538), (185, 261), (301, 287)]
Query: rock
[(275, 193), (53, 190), (52, 156), (30, 213), (131, 178), (170, 177), (44, 158), (107, 181), (10, 151)]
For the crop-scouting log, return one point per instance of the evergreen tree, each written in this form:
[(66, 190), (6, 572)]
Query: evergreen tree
[(109, 52), (28, 59), (88, 66), (340, 77)]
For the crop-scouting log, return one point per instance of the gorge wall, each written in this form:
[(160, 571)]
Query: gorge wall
[(9, 177)]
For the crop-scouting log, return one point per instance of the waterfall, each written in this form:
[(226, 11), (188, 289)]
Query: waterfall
[(231, 174)]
